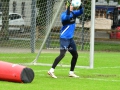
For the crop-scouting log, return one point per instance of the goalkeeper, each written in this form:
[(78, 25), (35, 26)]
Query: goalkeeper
[(68, 18)]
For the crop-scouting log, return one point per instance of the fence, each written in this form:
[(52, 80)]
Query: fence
[(33, 34)]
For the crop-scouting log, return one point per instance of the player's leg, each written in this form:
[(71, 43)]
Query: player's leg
[(59, 58), (63, 48), (72, 49), (73, 60), (56, 61)]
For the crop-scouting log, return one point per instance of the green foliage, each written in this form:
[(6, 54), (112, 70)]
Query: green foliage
[(41, 18), (87, 7), (5, 0), (87, 10), (43, 13), (99, 46)]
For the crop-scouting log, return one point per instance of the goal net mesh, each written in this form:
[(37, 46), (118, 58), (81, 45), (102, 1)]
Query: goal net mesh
[(50, 48), (40, 32)]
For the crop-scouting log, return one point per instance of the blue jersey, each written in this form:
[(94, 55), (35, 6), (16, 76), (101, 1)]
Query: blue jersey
[(68, 21)]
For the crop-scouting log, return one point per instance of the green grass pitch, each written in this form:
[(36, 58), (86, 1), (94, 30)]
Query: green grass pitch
[(104, 76)]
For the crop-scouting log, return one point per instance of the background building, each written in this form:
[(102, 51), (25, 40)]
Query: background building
[(105, 9), (104, 2)]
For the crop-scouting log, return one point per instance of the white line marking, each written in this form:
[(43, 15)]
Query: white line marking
[(40, 56)]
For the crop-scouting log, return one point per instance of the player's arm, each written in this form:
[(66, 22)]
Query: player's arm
[(79, 11), (66, 15)]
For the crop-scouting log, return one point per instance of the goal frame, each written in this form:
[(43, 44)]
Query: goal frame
[(91, 59)]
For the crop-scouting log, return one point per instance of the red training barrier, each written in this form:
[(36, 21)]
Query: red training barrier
[(15, 73)]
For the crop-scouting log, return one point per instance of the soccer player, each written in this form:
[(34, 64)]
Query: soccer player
[(67, 43)]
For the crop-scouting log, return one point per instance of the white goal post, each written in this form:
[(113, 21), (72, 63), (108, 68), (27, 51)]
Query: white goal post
[(92, 34)]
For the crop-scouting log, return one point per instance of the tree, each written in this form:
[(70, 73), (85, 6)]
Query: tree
[(5, 20), (87, 10), (43, 7)]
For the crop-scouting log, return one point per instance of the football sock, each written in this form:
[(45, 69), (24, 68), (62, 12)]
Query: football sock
[(52, 70), (71, 72)]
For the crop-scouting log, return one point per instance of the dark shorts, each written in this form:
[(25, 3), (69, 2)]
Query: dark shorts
[(67, 44)]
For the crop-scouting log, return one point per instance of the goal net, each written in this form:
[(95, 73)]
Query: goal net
[(49, 48), (33, 26)]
